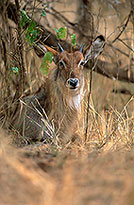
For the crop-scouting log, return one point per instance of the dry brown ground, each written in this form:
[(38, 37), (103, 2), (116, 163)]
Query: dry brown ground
[(74, 176), (77, 175)]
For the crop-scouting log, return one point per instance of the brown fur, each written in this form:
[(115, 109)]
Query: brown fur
[(52, 112), (53, 98)]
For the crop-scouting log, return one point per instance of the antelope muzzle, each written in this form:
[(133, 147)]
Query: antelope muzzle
[(72, 83)]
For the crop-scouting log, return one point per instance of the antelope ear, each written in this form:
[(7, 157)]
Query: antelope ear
[(41, 49), (95, 49)]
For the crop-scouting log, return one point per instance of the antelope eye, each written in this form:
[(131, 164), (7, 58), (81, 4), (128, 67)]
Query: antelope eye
[(61, 63), (81, 63)]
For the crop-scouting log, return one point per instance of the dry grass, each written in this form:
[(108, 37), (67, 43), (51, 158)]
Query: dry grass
[(95, 173), (98, 172)]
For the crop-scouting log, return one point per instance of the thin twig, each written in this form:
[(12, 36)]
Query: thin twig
[(118, 49), (124, 27), (88, 104), (125, 44)]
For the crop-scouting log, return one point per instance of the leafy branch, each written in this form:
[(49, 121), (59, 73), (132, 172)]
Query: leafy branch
[(73, 38), (45, 64), (31, 31), (61, 33)]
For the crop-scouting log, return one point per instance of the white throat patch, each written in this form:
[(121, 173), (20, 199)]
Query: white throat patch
[(75, 101)]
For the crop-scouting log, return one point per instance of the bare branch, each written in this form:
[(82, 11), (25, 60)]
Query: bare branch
[(124, 27)]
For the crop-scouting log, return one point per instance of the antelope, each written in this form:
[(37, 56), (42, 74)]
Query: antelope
[(56, 105)]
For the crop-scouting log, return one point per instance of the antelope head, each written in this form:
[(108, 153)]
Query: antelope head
[(69, 71)]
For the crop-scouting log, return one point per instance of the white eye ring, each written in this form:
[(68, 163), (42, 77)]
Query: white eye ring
[(81, 63), (62, 63)]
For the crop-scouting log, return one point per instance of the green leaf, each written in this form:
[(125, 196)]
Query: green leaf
[(15, 70), (43, 13), (61, 33), (31, 26), (73, 37), (24, 18), (45, 64), (31, 32)]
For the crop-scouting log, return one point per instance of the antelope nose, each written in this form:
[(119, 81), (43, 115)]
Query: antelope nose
[(72, 83)]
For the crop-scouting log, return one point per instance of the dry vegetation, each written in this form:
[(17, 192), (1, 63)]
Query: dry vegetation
[(95, 171)]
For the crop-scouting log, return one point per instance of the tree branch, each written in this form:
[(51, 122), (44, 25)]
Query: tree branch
[(114, 71), (109, 70), (124, 27)]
